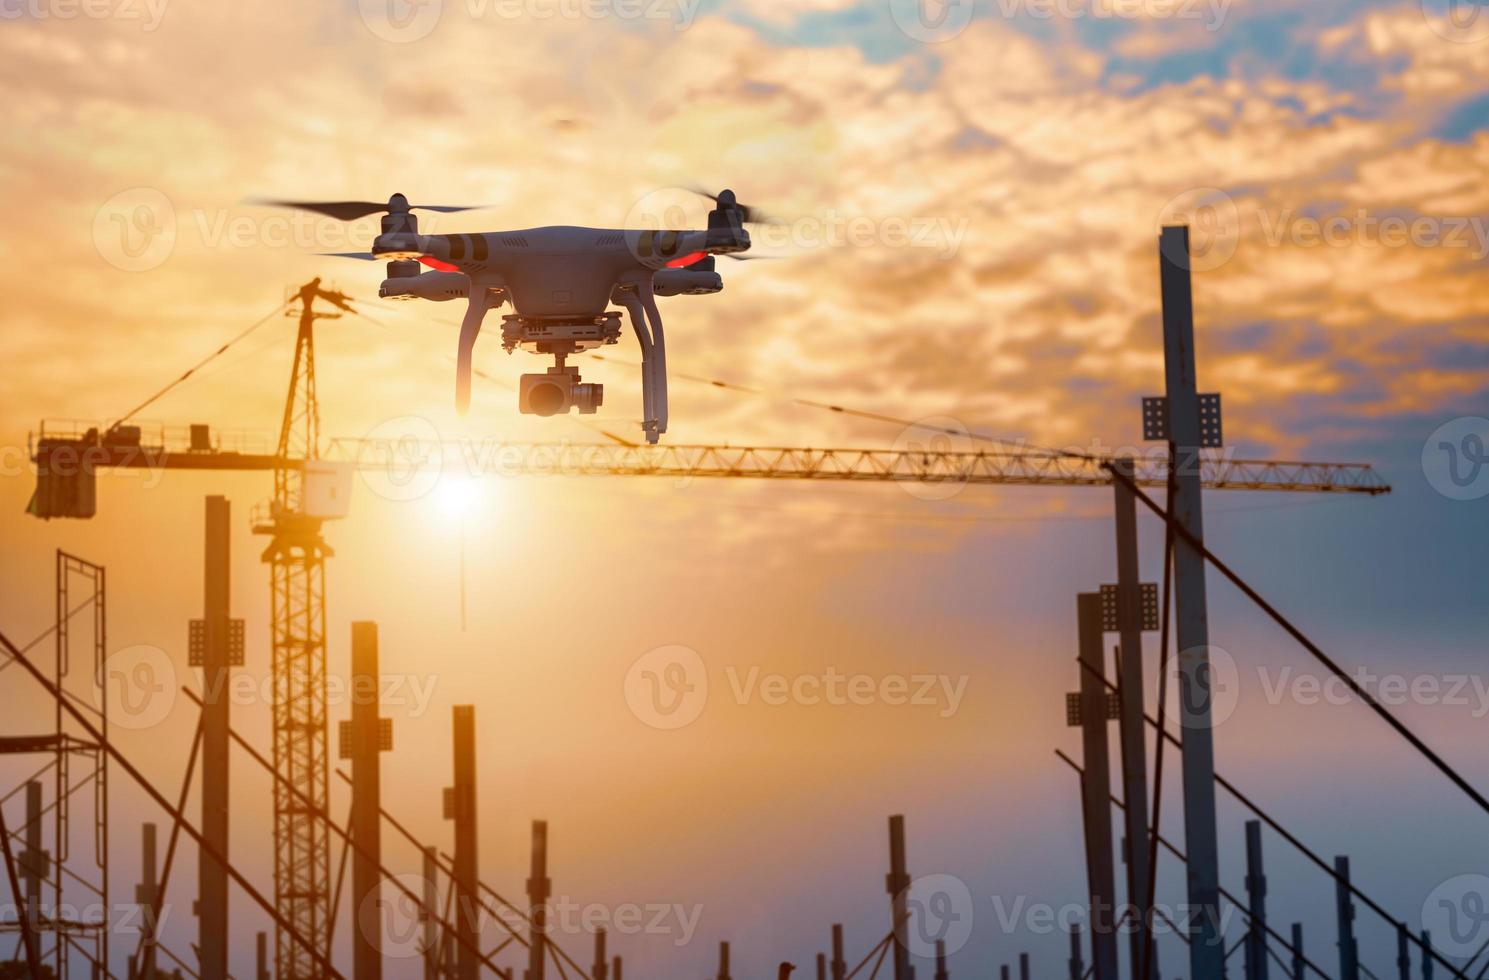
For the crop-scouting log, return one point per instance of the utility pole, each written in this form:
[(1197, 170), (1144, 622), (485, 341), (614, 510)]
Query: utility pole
[(1094, 710), (1349, 950), (538, 890), (1189, 422), (1256, 900), (363, 739), (1130, 623), (460, 806), (898, 885), (216, 646), (839, 965)]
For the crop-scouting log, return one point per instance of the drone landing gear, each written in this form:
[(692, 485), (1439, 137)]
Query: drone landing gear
[(641, 305), (470, 329)]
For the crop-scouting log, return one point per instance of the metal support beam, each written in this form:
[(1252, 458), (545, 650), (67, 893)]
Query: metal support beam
[(839, 964), (1403, 954), (1349, 950), (216, 663), (1132, 729), (261, 956), (147, 897), (23, 916), (1299, 961), (941, 973), (460, 806), (1096, 787), (1426, 955), (1207, 944), (1023, 966), (365, 738), (1256, 903), (723, 961), (428, 918), (615, 969), (822, 967), (1077, 964), (538, 890), (897, 882), (599, 969)]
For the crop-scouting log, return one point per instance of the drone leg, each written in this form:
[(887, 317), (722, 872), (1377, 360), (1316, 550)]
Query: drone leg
[(470, 329), (638, 324), (659, 356)]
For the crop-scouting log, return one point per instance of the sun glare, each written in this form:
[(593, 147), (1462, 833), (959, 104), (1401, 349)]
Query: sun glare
[(457, 498)]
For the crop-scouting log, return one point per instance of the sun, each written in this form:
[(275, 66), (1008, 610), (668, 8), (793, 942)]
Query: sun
[(458, 498)]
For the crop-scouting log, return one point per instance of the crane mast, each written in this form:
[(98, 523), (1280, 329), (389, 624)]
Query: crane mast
[(296, 555)]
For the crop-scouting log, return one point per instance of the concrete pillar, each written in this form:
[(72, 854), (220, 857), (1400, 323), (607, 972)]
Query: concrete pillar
[(898, 884), (216, 662), (1256, 900), (1349, 950), (367, 737), (1096, 787), (462, 809), (1207, 945), (538, 890)]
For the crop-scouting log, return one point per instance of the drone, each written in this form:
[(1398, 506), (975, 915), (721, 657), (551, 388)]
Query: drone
[(560, 281)]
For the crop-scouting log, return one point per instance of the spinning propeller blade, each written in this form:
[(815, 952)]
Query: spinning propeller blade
[(352, 210), (364, 256), (748, 214)]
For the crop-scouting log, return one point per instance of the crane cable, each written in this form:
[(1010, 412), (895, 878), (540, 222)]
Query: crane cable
[(200, 364)]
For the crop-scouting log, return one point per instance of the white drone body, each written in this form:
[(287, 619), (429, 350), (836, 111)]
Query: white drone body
[(561, 282)]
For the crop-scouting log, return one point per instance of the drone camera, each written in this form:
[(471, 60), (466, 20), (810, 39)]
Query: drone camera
[(556, 392)]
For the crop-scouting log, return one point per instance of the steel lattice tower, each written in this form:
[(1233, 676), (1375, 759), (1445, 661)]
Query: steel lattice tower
[(296, 555)]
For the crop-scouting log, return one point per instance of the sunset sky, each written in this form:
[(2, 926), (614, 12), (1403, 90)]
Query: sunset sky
[(972, 212)]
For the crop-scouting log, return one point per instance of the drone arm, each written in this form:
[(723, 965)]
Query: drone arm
[(470, 329)]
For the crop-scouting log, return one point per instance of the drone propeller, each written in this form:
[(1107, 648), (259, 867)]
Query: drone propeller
[(364, 256), (753, 258), (726, 199), (352, 210)]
